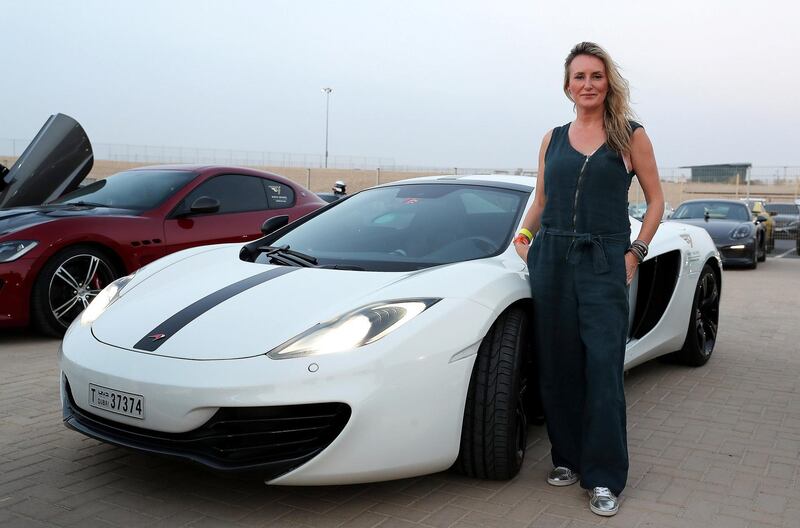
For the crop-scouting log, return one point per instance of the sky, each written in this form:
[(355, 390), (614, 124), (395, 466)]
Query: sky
[(423, 82)]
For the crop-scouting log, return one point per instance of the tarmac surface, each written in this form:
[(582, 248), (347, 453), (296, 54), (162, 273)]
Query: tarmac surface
[(716, 446)]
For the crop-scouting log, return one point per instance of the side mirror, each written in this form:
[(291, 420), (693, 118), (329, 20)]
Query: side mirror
[(761, 218), (274, 223), (204, 205), (773, 213)]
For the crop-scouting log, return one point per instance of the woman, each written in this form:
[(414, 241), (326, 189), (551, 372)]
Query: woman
[(580, 264)]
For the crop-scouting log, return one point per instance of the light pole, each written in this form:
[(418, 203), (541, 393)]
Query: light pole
[(327, 110)]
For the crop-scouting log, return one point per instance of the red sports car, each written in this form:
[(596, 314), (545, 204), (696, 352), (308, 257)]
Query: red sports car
[(54, 258)]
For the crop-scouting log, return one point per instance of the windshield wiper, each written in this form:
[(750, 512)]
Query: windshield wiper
[(347, 267), (84, 204), (287, 256)]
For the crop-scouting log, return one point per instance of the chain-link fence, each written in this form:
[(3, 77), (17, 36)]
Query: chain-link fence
[(770, 183)]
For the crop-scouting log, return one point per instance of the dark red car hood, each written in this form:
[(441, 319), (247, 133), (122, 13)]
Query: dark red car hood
[(18, 218), (56, 161)]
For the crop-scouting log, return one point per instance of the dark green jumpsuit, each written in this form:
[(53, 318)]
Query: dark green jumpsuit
[(577, 272)]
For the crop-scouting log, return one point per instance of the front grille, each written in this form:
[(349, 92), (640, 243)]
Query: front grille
[(273, 440)]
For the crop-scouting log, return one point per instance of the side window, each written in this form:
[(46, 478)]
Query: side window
[(279, 195), (236, 193)]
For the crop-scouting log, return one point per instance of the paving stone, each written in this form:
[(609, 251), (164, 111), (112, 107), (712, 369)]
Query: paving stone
[(712, 447)]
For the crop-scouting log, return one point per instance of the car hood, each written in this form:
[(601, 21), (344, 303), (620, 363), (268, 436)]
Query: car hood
[(204, 315), (56, 161), (720, 230), (19, 218)]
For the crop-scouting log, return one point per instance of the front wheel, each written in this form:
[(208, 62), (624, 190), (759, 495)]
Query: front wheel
[(66, 285), (702, 333), (495, 430)]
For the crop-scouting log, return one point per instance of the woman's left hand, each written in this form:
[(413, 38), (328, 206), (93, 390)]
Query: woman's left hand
[(631, 263)]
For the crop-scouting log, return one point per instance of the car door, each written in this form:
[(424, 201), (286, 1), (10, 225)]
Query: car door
[(281, 199), (243, 208)]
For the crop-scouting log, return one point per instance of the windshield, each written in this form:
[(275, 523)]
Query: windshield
[(409, 227), (138, 189), (715, 210), (782, 208)]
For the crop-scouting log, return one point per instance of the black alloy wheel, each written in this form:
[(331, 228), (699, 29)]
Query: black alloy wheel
[(701, 335), (66, 285), (494, 434)]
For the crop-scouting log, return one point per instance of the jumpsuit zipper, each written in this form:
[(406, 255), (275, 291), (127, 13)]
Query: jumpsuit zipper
[(578, 192)]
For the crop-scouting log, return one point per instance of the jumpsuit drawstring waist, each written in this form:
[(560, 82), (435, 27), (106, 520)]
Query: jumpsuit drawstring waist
[(587, 241)]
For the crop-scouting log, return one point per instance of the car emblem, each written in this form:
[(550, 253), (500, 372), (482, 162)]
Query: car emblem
[(156, 337)]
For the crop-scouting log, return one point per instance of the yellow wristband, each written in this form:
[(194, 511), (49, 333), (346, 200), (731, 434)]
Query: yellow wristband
[(527, 233)]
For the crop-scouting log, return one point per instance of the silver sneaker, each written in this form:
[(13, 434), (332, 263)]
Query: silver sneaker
[(603, 502), (562, 476)]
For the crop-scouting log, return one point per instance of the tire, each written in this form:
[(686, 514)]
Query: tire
[(754, 263), (495, 429), (66, 285), (701, 336), (763, 256)]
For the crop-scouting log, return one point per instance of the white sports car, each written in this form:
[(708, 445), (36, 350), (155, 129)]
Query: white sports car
[(383, 336)]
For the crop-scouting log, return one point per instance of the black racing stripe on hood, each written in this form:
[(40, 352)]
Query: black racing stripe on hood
[(171, 326)]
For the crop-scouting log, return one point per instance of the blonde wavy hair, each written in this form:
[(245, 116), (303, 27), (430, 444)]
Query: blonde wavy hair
[(618, 111)]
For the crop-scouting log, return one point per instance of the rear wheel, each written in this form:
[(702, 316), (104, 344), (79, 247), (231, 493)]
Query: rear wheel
[(762, 255), (66, 285), (495, 430), (701, 335)]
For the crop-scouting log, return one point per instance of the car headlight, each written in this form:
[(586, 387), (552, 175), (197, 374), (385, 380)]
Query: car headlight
[(743, 231), (104, 299), (354, 329), (14, 249)]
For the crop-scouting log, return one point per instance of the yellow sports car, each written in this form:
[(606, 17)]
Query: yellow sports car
[(759, 209)]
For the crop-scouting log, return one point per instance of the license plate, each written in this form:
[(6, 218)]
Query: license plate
[(116, 401)]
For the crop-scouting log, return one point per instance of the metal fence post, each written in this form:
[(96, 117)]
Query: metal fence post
[(378, 176), (796, 186), (308, 179)]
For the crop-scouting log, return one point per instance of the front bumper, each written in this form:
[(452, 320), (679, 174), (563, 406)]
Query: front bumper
[(787, 232), (16, 281), (406, 394), (270, 440), (741, 256)]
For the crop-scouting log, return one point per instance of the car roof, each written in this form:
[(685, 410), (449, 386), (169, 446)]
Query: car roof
[(720, 200)]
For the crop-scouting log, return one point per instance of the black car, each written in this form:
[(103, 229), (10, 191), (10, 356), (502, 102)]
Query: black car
[(339, 191), (739, 239), (787, 217)]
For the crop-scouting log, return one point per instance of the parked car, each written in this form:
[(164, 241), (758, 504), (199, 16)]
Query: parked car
[(786, 217), (758, 207), (58, 251), (739, 239), (339, 190), (639, 209), (384, 336)]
